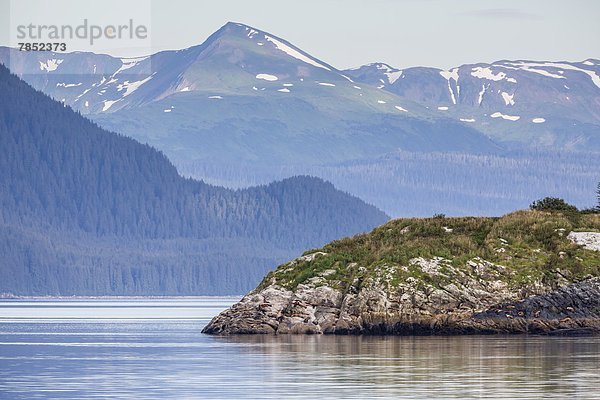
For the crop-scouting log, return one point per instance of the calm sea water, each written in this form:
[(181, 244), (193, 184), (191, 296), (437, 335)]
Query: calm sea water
[(153, 349)]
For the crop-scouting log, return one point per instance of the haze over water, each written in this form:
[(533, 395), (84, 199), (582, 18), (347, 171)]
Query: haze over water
[(152, 348)]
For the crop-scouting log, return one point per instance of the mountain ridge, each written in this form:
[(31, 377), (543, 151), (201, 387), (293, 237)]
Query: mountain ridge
[(86, 211), (249, 64), (240, 100), (518, 93)]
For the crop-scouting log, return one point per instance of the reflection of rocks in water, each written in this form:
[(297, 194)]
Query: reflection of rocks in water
[(407, 360), (468, 306)]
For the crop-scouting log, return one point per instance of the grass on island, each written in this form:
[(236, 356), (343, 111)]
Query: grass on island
[(532, 245)]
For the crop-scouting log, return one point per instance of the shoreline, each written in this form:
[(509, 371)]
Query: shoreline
[(153, 297)]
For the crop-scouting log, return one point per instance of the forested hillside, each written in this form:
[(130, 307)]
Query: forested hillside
[(85, 211), (422, 184)]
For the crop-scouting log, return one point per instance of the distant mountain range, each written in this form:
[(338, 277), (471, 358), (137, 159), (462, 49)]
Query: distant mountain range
[(519, 104), (242, 95), (247, 106), (84, 211), (242, 73)]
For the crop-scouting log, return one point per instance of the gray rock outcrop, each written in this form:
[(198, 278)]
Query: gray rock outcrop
[(465, 306)]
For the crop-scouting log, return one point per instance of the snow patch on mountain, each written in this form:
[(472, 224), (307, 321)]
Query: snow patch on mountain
[(82, 94), (129, 63), (131, 87), (504, 116), (453, 74), (542, 72), (533, 67), (467, 119), (68, 85), (442, 108), (251, 32), (487, 73), (294, 53), (451, 94), (267, 77), (326, 84), (107, 104), (401, 108), (508, 99), (50, 65), (538, 120), (481, 93), (538, 68), (593, 76), (284, 90), (393, 76)]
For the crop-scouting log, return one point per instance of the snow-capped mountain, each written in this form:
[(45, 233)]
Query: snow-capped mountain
[(247, 107), (242, 95), (235, 60), (546, 104), (248, 95)]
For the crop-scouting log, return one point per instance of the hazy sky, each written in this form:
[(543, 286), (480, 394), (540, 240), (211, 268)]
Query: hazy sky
[(440, 33)]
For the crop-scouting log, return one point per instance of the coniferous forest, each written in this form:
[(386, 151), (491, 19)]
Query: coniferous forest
[(89, 212)]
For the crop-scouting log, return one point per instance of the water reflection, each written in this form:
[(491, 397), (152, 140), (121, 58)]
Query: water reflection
[(459, 367), (153, 358)]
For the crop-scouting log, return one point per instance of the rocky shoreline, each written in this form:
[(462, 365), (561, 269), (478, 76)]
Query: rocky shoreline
[(544, 284), (571, 309)]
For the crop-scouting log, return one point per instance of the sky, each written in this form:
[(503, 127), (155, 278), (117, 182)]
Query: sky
[(402, 33)]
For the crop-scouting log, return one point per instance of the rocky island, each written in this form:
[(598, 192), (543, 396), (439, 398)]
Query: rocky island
[(525, 272)]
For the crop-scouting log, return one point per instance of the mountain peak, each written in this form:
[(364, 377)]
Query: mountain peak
[(230, 29), (240, 30), (260, 41), (232, 26), (377, 73), (375, 65), (383, 66)]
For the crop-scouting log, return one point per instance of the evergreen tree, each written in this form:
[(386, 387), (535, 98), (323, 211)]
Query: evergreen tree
[(552, 204)]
